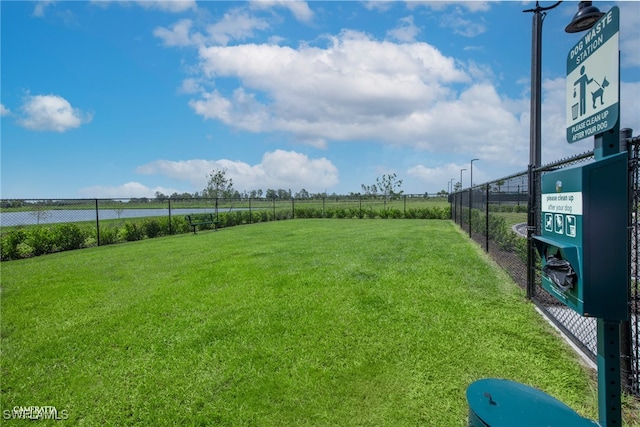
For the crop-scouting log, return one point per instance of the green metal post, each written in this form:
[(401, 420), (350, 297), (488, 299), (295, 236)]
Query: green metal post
[(609, 399), (609, 385)]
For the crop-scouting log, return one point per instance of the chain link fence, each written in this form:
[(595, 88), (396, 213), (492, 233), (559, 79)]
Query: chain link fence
[(496, 215), (37, 227), (631, 331)]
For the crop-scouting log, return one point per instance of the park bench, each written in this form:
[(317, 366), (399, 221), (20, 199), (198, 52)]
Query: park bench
[(201, 219)]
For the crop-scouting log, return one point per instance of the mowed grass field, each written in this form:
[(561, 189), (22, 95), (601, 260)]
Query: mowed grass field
[(300, 322)]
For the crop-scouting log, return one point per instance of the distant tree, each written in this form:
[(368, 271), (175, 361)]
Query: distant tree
[(284, 194), (498, 188), (12, 203), (389, 185), (370, 190), (219, 186), (302, 194), (271, 194), (141, 200), (40, 211)]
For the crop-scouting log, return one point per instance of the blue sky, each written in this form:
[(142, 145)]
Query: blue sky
[(127, 98)]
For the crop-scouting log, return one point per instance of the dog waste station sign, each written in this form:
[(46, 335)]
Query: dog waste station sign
[(592, 80)]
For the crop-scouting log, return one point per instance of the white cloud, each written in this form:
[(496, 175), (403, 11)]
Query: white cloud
[(278, 169), (241, 111), (378, 5), (4, 111), (434, 174), (128, 190), (190, 86), (178, 35), (629, 34), (630, 106), (471, 6), (193, 171), (360, 88), (364, 89), (406, 31), (455, 15), (51, 113), (171, 6), (462, 26), (299, 9), (236, 24), (438, 178), (41, 6)]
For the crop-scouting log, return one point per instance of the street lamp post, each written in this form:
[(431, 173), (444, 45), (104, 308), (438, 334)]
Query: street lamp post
[(452, 199), (472, 160), (535, 132), (471, 194)]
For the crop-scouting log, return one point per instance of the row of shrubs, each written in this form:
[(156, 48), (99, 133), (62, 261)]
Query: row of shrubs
[(499, 231), (30, 241)]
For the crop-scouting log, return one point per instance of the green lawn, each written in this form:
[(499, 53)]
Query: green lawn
[(512, 218), (300, 322)]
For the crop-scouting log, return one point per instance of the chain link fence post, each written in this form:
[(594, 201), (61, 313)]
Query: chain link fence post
[(97, 223)]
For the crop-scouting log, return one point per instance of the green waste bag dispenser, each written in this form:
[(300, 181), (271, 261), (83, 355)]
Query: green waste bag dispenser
[(583, 241)]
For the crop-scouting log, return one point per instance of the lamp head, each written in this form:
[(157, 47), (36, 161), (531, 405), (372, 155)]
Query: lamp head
[(586, 17)]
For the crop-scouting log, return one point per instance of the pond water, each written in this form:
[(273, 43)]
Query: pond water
[(55, 216)]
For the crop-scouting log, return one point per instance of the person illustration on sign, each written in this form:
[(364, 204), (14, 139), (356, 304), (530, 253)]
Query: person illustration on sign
[(583, 81)]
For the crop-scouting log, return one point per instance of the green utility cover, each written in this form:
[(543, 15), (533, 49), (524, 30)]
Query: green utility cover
[(505, 403)]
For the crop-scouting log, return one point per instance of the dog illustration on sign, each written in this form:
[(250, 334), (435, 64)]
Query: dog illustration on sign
[(580, 91), (599, 93)]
